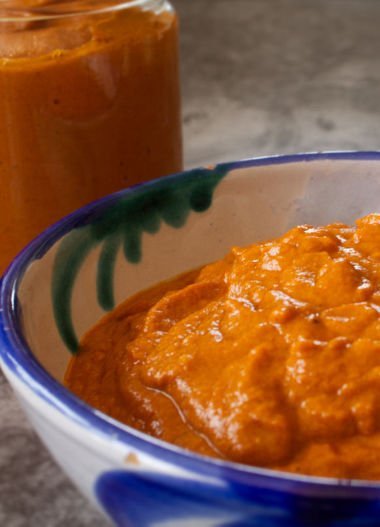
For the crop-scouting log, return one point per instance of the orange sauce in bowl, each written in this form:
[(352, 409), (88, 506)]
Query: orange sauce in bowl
[(269, 357)]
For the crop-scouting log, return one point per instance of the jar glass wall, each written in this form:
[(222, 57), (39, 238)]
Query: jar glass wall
[(89, 104)]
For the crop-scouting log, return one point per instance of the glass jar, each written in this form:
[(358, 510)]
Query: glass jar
[(89, 104)]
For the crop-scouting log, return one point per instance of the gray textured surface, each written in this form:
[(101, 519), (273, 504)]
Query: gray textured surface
[(260, 76)]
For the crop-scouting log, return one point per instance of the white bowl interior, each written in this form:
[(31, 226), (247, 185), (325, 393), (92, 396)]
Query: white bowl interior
[(249, 204)]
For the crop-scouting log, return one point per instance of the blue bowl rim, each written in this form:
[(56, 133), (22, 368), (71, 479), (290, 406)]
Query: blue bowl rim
[(18, 357)]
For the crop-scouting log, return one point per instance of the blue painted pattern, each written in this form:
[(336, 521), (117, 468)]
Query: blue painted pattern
[(149, 499)]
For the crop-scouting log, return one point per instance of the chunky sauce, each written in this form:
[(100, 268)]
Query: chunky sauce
[(269, 357), (88, 105)]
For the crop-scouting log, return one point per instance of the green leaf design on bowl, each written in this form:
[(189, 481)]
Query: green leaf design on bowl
[(122, 225)]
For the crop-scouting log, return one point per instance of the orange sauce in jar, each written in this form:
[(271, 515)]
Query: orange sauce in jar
[(89, 104), (269, 357)]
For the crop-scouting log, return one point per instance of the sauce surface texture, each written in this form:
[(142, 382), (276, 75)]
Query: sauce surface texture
[(269, 357)]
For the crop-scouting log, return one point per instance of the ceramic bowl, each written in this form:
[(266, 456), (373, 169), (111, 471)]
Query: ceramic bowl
[(65, 280)]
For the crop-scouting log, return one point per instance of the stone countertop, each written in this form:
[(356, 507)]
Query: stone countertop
[(259, 77)]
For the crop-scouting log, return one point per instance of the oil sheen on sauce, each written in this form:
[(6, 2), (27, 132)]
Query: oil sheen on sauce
[(269, 357)]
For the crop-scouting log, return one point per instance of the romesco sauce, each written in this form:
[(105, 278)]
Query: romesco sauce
[(89, 104), (269, 357)]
